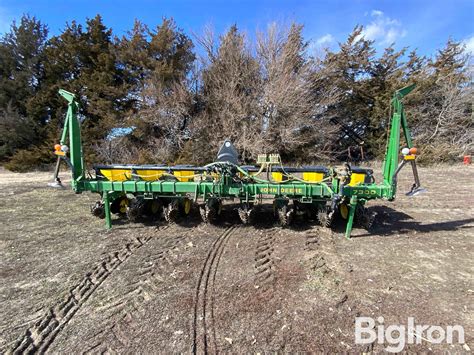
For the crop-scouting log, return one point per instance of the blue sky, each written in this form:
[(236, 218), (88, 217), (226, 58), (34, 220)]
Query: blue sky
[(425, 25)]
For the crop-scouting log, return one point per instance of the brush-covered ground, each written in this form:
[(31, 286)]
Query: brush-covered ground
[(68, 285)]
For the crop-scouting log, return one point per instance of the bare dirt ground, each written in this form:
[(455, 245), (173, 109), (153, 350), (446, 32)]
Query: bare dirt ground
[(68, 285)]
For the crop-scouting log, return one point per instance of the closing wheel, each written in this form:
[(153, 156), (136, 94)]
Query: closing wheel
[(325, 216), (98, 209), (171, 212), (285, 215), (246, 213), (211, 210)]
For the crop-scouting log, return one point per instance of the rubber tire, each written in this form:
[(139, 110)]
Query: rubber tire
[(115, 205)]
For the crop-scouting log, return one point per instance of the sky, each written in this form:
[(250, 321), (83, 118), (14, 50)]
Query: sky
[(421, 25)]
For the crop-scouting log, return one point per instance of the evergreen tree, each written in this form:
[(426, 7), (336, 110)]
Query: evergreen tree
[(101, 81), (85, 63), (414, 65), (450, 60), (348, 72), (21, 77), (386, 75), (157, 66), (133, 58)]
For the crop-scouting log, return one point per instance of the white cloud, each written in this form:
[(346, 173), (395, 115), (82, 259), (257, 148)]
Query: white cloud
[(318, 45), (325, 40), (383, 29), (376, 13), (469, 45)]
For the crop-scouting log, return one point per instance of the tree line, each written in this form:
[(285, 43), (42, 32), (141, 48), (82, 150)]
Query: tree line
[(156, 95)]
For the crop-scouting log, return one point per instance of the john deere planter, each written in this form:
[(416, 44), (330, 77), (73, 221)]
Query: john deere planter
[(170, 191)]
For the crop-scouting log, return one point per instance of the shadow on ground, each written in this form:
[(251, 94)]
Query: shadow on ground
[(390, 222)]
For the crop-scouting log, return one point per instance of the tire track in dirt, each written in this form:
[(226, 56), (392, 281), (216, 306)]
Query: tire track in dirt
[(264, 265), (129, 309), (203, 320), (41, 335), (312, 240), (330, 270)]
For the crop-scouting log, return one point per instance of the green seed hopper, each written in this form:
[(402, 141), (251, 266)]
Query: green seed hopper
[(315, 192)]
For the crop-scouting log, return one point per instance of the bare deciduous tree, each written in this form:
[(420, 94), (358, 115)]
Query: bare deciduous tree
[(230, 84), (116, 151), (167, 112), (291, 103), (267, 100), (445, 128)]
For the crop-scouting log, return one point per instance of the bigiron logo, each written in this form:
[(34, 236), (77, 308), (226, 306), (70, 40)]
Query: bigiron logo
[(398, 335)]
